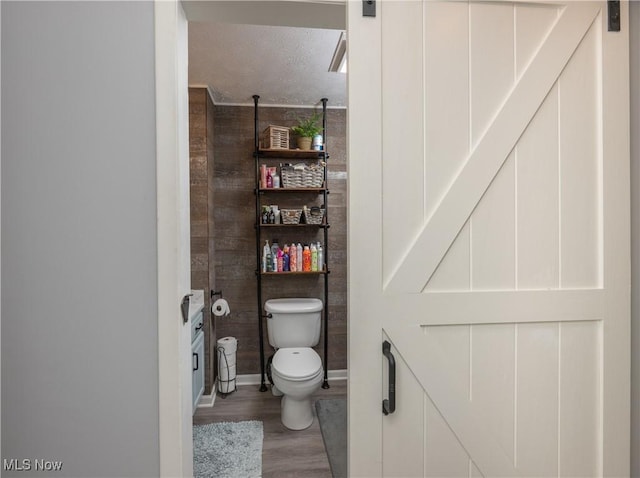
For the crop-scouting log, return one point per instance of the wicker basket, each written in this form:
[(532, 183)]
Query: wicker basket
[(290, 216), (275, 137), (314, 215), (302, 176)]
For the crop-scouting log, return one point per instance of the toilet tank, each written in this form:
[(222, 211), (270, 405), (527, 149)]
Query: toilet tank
[(293, 322)]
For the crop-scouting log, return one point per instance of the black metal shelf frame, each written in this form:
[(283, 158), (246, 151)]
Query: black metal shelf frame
[(321, 155)]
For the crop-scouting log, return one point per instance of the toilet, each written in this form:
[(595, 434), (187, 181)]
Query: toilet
[(293, 327)]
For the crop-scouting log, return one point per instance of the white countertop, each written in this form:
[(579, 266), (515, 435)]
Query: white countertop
[(196, 302)]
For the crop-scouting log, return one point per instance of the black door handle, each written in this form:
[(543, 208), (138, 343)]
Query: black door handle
[(197, 363), (389, 406)]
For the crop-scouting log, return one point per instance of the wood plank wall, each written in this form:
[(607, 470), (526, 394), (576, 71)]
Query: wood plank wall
[(234, 235), (201, 139)]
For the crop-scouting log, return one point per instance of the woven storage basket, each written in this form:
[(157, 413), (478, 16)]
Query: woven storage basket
[(275, 137), (302, 176), (290, 216), (314, 215)]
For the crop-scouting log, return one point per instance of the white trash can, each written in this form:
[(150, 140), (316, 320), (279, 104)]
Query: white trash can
[(227, 347)]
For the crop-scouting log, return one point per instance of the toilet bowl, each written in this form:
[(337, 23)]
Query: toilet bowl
[(297, 372)]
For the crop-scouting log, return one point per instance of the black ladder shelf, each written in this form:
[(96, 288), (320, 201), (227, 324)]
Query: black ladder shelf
[(259, 227)]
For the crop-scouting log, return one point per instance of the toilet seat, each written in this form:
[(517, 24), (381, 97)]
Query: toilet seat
[(296, 363)]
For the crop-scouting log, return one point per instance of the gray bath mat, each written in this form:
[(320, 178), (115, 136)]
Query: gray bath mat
[(332, 415), (227, 450)]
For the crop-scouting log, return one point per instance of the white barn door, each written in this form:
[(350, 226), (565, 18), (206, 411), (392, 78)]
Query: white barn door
[(489, 239)]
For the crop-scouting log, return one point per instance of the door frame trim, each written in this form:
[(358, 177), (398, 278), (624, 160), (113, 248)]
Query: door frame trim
[(364, 150), (175, 439)]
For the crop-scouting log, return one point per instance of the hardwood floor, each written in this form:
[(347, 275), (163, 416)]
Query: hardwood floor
[(285, 453)]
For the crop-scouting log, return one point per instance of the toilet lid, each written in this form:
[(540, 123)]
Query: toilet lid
[(296, 363)]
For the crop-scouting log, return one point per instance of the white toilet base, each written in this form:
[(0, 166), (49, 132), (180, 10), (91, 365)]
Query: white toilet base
[(296, 414)]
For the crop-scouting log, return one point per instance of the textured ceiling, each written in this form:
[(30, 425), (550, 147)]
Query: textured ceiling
[(284, 65)]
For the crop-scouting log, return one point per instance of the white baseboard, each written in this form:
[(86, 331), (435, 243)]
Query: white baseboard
[(254, 378), (342, 374), (207, 401)]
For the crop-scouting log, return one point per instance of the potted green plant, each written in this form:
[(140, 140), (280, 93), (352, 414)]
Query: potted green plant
[(306, 130)]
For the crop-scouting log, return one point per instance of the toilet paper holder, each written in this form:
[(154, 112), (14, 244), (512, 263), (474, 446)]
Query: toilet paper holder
[(215, 293)]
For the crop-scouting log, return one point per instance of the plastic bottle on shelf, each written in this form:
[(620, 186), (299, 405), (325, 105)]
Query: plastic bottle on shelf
[(320, 257), (314, 257), (299, 257), (306, 259), (263, 176), (286, 259), (276, 213), (269, 262), (269, 179), (266, 252), (275, 247), (280, 259), (317, 142), (293, 256), (276, 181)]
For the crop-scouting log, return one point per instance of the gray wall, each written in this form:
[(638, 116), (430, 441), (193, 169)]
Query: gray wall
[(79, 299), (635, 236)]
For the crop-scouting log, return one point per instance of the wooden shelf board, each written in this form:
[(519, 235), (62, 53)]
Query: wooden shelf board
[(292, 190), (311, 273), (294, 225), (291, 153)]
